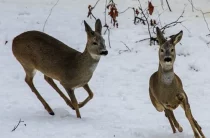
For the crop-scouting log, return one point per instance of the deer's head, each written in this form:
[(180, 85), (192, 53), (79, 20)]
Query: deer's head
[(167, 53), (95, 42)]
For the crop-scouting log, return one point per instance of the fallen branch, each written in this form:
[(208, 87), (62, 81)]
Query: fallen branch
[(152, 39), (128, 49), (15, 127), (49, 14)]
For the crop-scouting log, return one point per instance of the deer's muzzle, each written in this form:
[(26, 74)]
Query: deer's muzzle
[(104, 53)]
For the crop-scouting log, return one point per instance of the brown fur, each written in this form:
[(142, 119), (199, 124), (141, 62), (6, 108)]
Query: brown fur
[(165, 87), (39, 51)]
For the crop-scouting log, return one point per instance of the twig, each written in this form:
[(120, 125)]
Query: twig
[(191, 2), (151, 39), (90, 8), (15, 127), (173, 23), (126, 46), (109, 38), (140, 3), (96, 4), (49, 15), (126, 10), (168, 6), (204, 18), (105, 12), (162, 4), (136, 18), (206, 13), (6, 42), (185, 28), (154, 39), (107, 27), (159, 14), (208, 35), (146, 19)]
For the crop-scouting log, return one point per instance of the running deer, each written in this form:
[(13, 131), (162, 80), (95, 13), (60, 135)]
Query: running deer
[(165, 87), (38, 51)]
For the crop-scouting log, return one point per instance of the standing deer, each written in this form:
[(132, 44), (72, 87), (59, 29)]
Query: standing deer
[(38, 51), (165, 87)]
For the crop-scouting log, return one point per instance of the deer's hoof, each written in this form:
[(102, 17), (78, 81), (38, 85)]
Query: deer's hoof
[(180, 129), (52, 113)]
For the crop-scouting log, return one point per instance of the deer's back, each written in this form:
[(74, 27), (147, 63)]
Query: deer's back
[(43, 52)]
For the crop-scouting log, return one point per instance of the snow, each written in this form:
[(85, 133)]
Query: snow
[(121, 106)]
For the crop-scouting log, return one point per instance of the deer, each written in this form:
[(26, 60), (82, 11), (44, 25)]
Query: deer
[(38, 51), (165, 87)]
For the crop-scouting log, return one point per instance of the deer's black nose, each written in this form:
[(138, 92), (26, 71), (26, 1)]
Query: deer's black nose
[(104, 53), (167, 59)]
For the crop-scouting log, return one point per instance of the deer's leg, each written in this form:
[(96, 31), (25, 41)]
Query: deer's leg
[(168, 115), (52, 83), (155, 103), (90, 96), (186, 106), (177, 125), (74, 101), (172, 120), (29, 80)]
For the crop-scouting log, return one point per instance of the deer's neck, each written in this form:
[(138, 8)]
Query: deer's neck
[(90, 60), (166, 76)]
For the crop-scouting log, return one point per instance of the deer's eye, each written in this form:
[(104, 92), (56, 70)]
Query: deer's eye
[(172, 50), (161, 50), (92, 33), (94, 43)]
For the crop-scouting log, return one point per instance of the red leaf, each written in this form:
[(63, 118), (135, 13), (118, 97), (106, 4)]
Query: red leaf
[(150, 8), (137, 12)]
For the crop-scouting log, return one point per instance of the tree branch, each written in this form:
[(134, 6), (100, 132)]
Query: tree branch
[(90, 9), (107, 27), (174, 22), (49, 15), (168, 6), (204, 18), (191, 2)]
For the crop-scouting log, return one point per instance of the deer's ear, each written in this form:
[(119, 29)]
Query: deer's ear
[(160, 37), (176, 38), (98, 26), (88, 29)]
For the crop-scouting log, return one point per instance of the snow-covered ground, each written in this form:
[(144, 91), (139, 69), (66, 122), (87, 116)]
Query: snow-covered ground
[(121, 106)]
